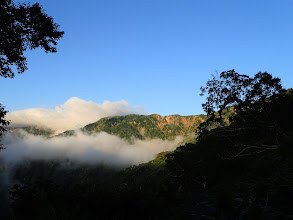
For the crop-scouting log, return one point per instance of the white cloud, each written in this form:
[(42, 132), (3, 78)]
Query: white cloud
[(81, 148), (73, 114)]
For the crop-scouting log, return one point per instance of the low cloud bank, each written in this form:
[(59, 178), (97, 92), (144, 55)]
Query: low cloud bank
[(73, 114), (100, 148)]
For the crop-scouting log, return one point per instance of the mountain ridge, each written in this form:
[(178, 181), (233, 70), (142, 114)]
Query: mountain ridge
[(144, 127)]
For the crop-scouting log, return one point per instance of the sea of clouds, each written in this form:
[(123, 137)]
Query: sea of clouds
[(99, 148)]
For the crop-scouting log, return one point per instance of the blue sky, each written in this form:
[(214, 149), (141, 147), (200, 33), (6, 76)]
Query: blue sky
[(153, 53)]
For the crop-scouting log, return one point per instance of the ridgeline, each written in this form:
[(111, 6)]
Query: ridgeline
[(144, 126)]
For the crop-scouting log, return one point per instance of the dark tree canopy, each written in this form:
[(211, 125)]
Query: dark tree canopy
[(3, 122), (244, 94), (22, 27)]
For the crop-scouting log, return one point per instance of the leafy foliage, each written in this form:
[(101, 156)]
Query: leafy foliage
[(24, 26), (240, 166), (3, 122), (246, 95)]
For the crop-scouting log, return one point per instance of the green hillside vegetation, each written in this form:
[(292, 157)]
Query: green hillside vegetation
[(149, 176), (35, 130), (144, 127)]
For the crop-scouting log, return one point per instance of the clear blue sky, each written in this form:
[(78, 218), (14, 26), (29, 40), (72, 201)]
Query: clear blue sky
[(154, 53)]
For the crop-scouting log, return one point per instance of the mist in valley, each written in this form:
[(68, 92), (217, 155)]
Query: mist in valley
[(34, 155), (99, 148)]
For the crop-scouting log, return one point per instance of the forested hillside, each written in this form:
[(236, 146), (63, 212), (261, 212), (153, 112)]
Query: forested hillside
[(35, 130), (130, 127), (145, 126)]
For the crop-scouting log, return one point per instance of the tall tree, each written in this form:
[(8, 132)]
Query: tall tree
[(246, 95), (22, 27), (243, 111)]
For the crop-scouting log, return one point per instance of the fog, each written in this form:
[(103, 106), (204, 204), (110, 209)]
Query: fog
[(73, 114), (100, 148)]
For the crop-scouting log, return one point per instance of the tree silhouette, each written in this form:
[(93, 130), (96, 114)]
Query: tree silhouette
[(22, 27), (246, 95), (242, 111), (3, 122)]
